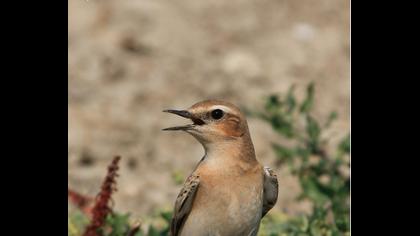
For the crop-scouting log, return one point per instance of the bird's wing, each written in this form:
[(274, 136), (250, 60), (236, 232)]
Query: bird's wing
[(183, 203), (271, 188)]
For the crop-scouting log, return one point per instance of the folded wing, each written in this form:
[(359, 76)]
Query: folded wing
[(183, 203), (271, 189)]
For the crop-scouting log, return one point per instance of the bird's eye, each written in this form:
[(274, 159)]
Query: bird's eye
[(217, 114)]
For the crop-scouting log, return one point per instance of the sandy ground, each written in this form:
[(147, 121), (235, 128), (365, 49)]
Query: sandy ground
[(130, 59)]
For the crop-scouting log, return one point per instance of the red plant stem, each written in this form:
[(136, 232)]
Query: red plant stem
[(101, 208)]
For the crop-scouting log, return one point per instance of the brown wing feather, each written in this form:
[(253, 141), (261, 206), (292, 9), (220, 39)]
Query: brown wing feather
[(183, 203), (271, 189)]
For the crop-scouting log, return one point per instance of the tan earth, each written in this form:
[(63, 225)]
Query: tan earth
[(130, 59)]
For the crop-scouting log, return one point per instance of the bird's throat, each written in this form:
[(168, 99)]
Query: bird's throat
[(241, 150)]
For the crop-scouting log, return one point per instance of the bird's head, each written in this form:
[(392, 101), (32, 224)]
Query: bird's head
[(214, 122)]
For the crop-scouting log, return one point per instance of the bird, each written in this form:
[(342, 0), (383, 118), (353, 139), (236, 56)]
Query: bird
[(229, 191)]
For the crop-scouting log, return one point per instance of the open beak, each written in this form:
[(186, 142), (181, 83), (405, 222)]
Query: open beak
[(186, 114)]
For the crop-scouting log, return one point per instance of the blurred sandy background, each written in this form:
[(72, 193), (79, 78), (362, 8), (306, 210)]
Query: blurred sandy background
[(130, 59)]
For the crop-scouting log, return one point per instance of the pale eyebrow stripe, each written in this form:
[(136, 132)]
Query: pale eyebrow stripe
[(221, 107)]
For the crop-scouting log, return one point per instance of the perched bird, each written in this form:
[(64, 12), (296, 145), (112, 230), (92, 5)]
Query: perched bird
[(229, 191)]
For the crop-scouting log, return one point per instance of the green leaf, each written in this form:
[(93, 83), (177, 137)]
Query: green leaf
[(344, 145), (282, 126), (178, 177), (319, 228), (166, 215), (273, 103), (118, 223), (310, 187), (307, 104), (153, 232), (290, 99), (77, 221), (305, 224), (333, 116), (283, 152), (302, 152), (139, 233), (343, 223), (313, 130)]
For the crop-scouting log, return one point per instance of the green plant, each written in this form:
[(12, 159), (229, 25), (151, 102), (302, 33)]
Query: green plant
[(322, 176)]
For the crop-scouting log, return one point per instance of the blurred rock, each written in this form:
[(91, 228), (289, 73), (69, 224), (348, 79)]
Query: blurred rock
[(241, 64), (304, 32)]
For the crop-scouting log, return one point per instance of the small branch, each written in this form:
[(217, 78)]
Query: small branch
[(82, 202), (134, 230)]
